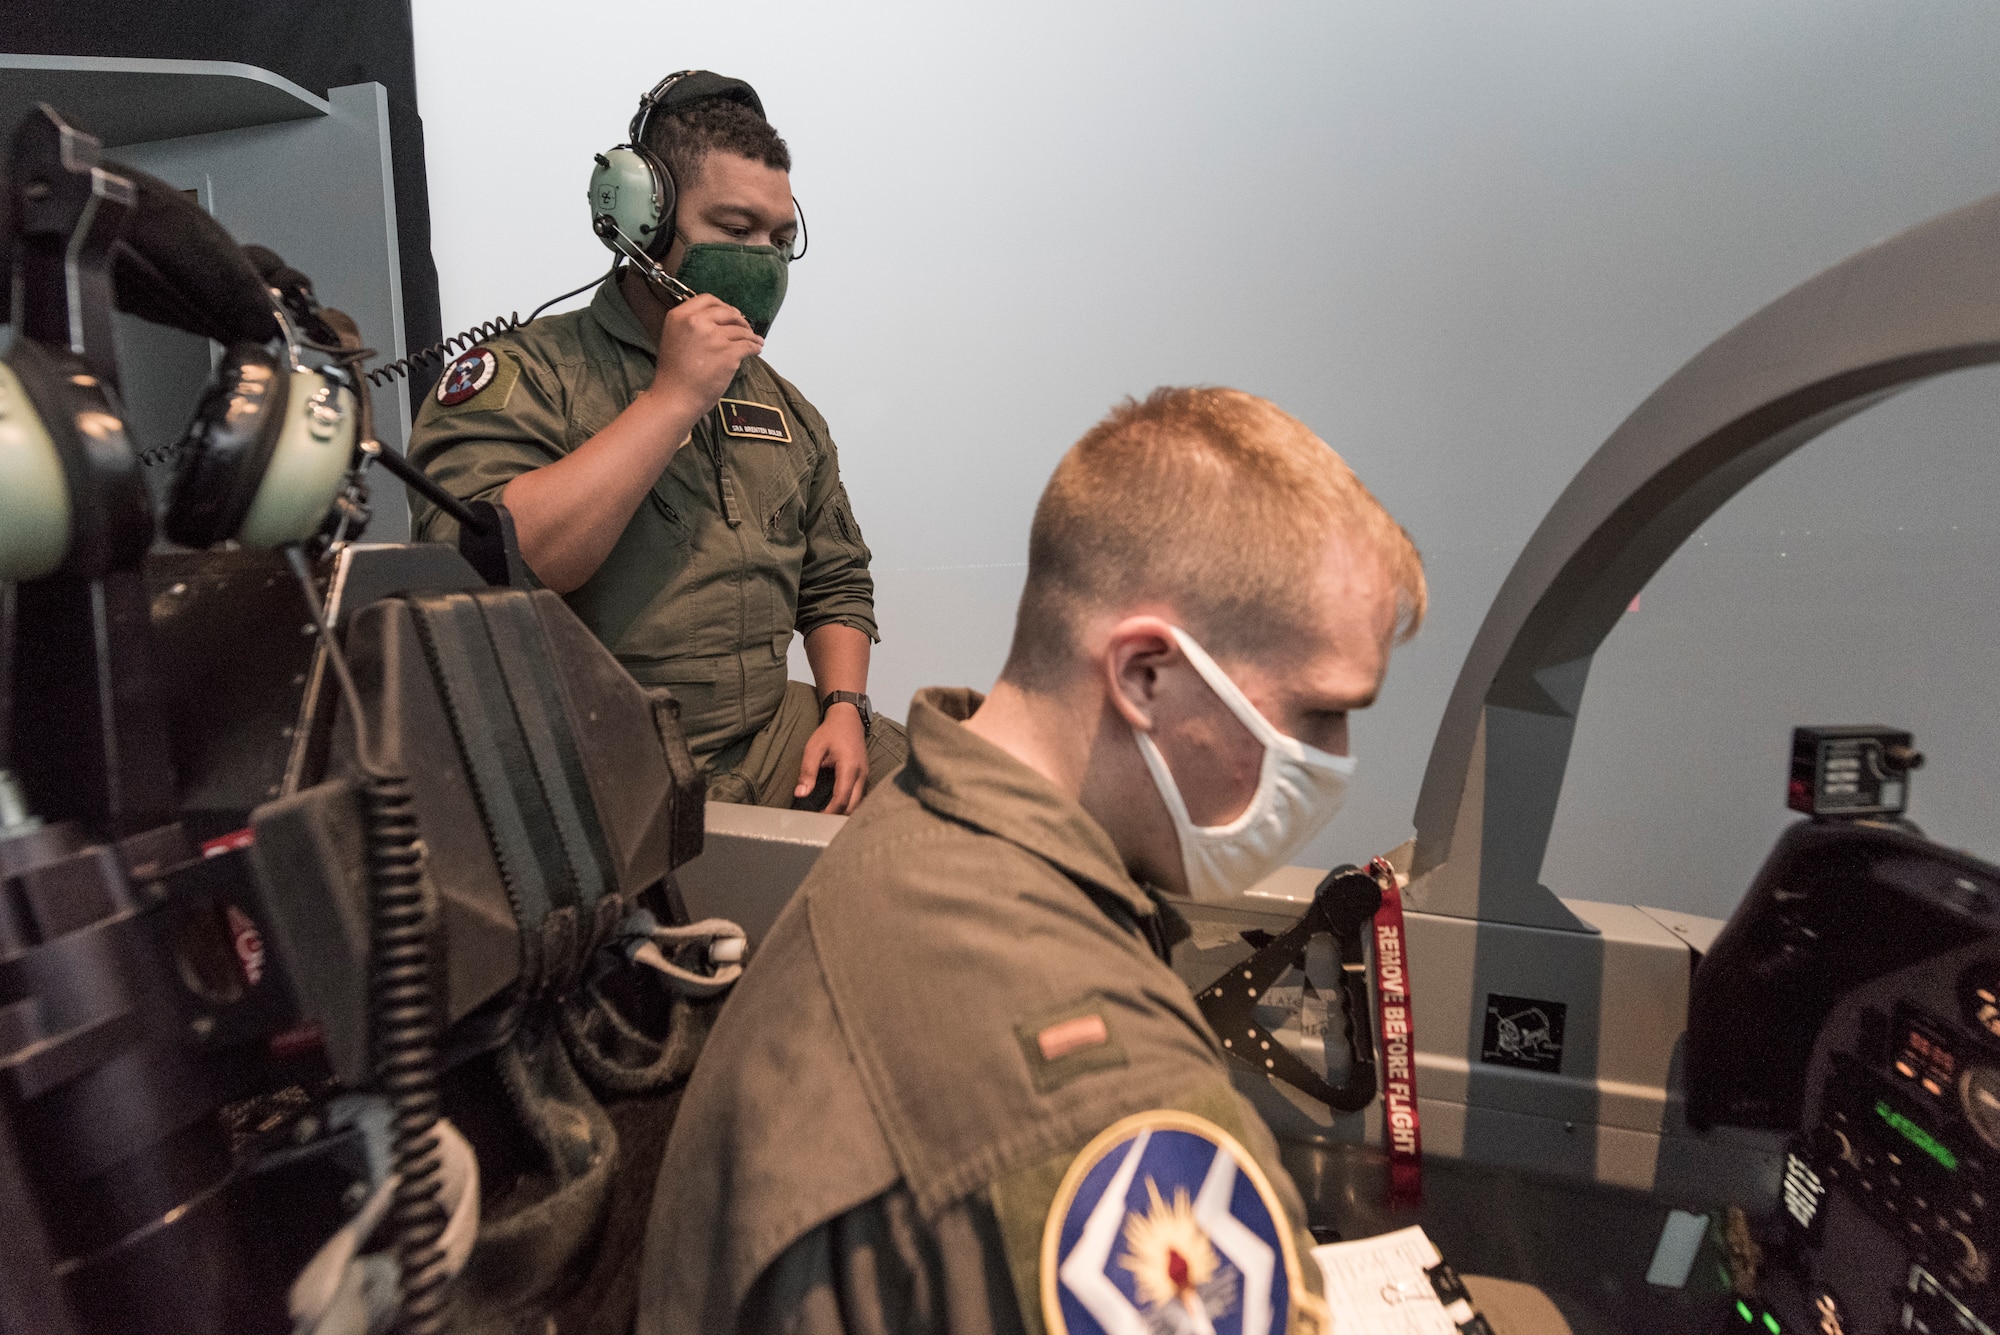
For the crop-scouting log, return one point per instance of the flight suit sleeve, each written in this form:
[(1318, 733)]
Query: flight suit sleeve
[(1024, 1200), (835, 587), (882, 1269), (475, 448)]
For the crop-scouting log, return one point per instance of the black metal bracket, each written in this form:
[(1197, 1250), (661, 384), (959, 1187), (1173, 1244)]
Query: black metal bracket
[(67, 210), (420, 482), (1344, 903), (488, 543)]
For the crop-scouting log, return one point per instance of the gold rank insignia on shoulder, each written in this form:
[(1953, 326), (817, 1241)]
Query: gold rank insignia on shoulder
[(1166, 1223), (758, 421), (1073, 1040)]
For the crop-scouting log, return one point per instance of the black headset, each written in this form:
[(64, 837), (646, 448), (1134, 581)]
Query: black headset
[(632, 190), (272, 440)]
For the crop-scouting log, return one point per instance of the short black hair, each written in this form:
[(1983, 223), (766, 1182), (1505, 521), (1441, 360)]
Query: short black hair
[(684, 137)]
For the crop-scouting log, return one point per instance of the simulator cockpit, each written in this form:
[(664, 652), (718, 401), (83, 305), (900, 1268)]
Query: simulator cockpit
[(360, 914)]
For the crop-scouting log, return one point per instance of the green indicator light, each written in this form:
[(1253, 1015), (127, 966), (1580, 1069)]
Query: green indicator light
[(1743, 1310), (1771, 1324), (1917, 1136)]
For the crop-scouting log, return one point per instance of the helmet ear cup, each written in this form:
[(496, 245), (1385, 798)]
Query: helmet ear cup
[(221, 460)]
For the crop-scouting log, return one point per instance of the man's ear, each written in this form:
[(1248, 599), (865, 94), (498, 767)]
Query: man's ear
[(1134, 652)]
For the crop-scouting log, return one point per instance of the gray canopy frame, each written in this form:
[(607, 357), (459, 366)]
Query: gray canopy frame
[(1906, 309)]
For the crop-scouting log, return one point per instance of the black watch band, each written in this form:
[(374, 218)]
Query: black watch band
[(855, 698)]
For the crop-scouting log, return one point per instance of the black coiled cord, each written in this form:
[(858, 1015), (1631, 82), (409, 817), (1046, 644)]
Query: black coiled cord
[(473, 337), (402, 1000), (402, 914), (437, 352)]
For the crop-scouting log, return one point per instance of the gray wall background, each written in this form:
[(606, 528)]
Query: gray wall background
[(1460, 240)]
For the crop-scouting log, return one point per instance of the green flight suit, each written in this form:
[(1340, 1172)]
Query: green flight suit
[(967, 989), (746, 538)]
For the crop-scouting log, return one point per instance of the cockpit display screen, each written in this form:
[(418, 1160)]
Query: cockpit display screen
[(1924, 1058), (1917, 1136)]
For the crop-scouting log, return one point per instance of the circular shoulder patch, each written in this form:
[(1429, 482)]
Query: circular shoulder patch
[(467, 376), (1165, 1223)]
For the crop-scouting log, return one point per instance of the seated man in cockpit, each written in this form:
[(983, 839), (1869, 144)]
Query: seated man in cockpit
[(960, 1088)]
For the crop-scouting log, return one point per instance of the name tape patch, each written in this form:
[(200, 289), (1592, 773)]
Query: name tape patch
[(757, 421), (1164, 1222)]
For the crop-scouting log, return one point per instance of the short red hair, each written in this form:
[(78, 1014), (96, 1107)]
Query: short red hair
[(1213, 501)]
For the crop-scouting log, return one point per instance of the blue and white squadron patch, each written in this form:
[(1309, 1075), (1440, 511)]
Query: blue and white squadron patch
[(1164, 1225)]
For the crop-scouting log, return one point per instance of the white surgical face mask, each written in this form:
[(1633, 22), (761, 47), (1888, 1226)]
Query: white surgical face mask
[(1299, 790)]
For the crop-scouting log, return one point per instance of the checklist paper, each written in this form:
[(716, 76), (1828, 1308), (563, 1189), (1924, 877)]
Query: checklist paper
[(1394, 1284)]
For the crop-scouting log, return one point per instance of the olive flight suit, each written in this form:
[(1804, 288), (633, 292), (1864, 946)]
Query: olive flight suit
[(745, 538), (880, 1125)]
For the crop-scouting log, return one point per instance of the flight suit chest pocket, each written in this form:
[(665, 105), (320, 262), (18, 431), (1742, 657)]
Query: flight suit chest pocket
[(772, 462), (674, 526), (778, 481), (679, 498), (784, 523)]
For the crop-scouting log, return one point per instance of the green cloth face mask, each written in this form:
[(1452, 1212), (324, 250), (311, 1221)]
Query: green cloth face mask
[(750, 278)]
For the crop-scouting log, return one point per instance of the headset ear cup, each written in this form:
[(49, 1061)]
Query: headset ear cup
[(635, 191), (108, 516), (221, 460), (34, 492), (308, 466)]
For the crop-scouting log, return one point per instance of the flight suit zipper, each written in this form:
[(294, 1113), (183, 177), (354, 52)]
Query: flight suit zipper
[(732, 515)]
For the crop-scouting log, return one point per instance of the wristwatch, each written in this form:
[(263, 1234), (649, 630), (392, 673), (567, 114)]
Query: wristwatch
[(855, 698)]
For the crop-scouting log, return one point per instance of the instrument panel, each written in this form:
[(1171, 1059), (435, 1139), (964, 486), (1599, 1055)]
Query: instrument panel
[(1854, 1000), (1892, 1192), (1910, 1166)]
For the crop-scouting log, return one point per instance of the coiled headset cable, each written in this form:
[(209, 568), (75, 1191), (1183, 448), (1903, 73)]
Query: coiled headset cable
[(403, 1005), (404, 367)]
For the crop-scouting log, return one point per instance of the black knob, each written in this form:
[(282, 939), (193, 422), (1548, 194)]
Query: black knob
[(1349, 895)]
